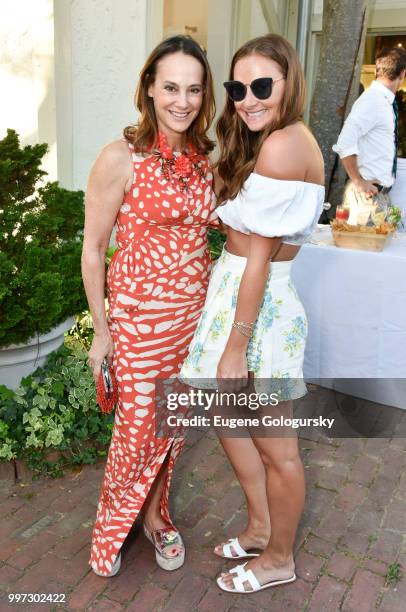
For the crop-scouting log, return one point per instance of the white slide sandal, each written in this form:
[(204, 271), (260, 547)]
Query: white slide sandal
[(242, 575), (241, 553)]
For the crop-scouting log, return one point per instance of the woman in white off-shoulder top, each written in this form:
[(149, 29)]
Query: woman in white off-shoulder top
[(271, 198)]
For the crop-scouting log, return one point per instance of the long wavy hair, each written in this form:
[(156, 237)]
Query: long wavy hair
[(144, 134), (239, 147)]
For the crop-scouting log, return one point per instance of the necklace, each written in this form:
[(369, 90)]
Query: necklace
[(179, 168)]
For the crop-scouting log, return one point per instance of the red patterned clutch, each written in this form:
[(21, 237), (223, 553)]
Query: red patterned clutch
[(106, 388)]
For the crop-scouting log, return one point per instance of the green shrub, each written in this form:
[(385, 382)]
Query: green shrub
[(54, 409), (216, 240), (40, 245)]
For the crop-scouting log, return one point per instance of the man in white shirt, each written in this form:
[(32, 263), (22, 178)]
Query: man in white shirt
[(368, 141)]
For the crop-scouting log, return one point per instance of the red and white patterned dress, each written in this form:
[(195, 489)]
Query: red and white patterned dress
[(157, 282)]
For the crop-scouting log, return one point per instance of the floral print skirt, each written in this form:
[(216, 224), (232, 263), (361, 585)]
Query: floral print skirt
[(276, 348)]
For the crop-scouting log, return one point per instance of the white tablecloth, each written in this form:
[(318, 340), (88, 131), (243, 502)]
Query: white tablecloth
[(355, 303)]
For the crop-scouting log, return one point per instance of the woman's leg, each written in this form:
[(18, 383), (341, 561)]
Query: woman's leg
[(151, 510), (285, 492), (249, 469)]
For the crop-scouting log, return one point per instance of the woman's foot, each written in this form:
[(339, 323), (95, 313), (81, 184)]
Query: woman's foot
[(249, 540), (157, 524), (167, 541), (265, 568)]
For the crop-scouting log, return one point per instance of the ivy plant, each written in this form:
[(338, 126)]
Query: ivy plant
[(54, 409)]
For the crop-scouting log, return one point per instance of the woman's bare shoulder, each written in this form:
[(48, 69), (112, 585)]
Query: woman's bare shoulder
[(279, 157), (113, 163), (114, 153), (290, 153)]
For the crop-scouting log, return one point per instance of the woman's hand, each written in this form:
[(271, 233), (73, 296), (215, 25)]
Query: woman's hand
[(233, 365), (102, 346)]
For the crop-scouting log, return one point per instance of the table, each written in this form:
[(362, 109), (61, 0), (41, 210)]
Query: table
[(355, 303)]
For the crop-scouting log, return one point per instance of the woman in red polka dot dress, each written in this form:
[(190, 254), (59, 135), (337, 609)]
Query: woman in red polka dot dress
[(157, 186)]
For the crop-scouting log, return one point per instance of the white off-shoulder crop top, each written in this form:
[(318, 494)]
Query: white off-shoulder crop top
[(275, 207)]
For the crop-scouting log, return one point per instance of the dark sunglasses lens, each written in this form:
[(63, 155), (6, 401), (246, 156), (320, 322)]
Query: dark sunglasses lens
[(235, 90), (262, 88)]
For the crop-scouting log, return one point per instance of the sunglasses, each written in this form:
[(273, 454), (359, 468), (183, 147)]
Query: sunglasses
[(261, 88)]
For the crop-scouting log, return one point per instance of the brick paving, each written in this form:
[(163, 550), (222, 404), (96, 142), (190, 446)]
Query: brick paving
[(353, 528)]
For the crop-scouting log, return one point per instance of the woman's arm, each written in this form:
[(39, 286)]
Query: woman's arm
[(108, 181), (217, 181), (215, 221), (277, 159)]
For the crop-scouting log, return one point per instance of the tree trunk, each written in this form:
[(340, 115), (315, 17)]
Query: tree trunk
[(337, 82)]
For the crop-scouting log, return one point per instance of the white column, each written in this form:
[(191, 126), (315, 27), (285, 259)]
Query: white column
[(63, 89), (108, 42)]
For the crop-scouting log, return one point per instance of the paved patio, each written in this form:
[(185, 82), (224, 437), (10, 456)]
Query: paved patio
[(352, 530)]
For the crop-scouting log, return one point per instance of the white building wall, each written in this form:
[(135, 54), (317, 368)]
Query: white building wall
[(68, 72), (108, 50), (27, 101)]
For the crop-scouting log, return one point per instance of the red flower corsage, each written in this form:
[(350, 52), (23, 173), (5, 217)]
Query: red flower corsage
[(183, 166), (180, 168)]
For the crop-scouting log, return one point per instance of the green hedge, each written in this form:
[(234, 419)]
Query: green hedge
[(41, 231)]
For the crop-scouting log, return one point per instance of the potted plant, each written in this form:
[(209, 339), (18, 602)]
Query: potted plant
[(52, 421), (40, 248)]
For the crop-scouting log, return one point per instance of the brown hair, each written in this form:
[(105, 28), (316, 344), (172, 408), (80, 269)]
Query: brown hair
[(390, 62), (144, 135), (239, 147)]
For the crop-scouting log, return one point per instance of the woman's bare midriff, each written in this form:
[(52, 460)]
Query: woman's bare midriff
[(238, 244)]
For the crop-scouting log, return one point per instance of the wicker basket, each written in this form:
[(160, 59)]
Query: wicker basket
[(361, 241)]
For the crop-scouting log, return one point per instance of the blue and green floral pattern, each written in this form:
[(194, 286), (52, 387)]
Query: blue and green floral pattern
[(296, 336), (223, 283), (196, 353), (254, 354), (236, 287), (270, 310), (201, 323), (219, 325)]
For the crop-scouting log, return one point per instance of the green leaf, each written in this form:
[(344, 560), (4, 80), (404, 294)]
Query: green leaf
[(58, 388)]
